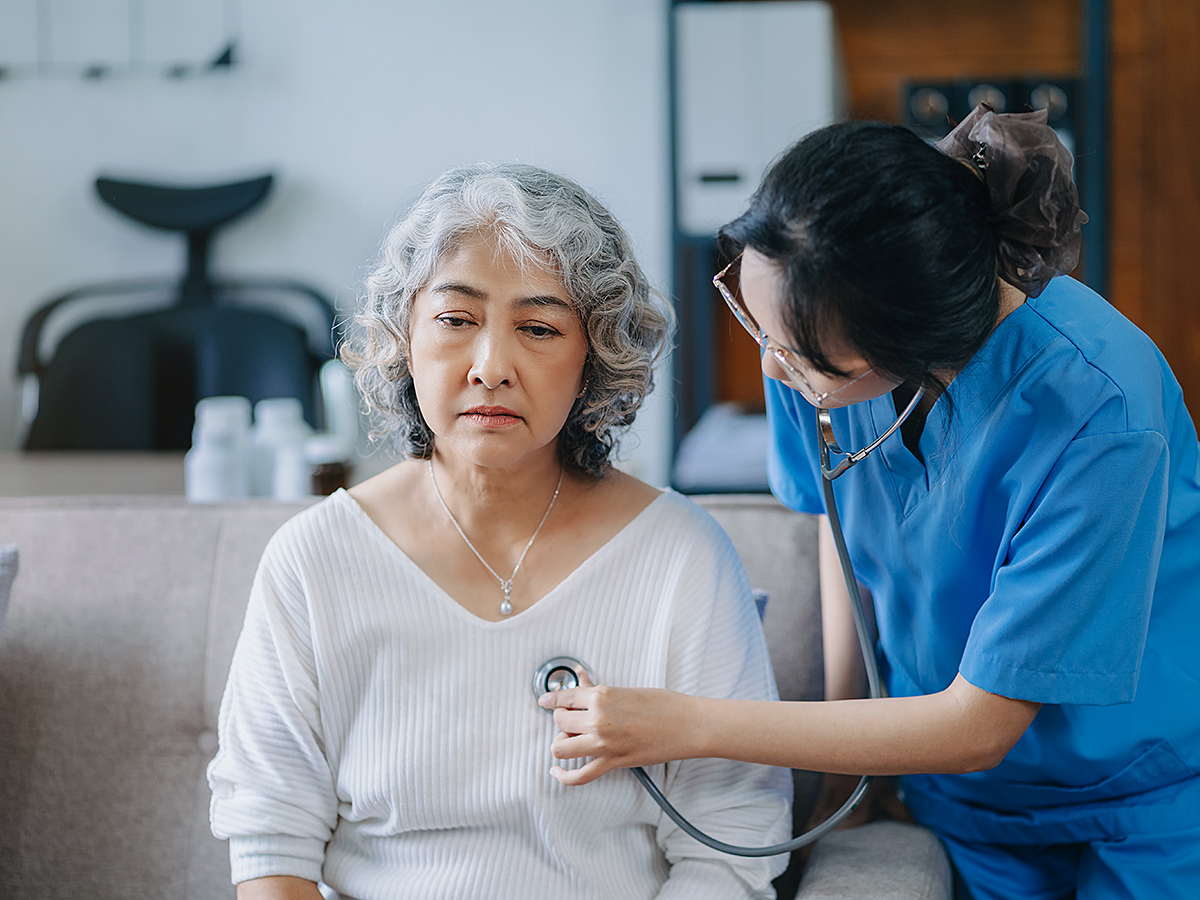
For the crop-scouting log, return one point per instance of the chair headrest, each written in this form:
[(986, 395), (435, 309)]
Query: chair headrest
[(190, 209)]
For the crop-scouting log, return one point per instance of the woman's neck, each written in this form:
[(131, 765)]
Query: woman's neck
[(486, 499)]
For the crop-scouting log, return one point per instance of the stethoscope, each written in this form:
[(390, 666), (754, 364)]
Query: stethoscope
[(563, 672)]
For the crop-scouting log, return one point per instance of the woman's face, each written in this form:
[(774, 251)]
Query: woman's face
[(496, 354), (763, 291)]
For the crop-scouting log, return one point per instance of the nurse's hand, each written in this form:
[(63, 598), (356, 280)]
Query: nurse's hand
[(618, 727)]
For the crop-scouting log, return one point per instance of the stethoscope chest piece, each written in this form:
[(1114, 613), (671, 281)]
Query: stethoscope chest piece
[(558, 674)]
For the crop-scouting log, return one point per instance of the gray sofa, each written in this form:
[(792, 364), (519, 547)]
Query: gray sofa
[(113, 658)]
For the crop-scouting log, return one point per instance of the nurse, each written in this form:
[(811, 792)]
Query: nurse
[(1030, 535)]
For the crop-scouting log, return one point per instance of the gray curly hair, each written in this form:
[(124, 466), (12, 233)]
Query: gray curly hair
[(543, 220)]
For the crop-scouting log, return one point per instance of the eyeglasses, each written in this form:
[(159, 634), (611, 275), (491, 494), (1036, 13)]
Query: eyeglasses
[(782, 354), (828, 442)]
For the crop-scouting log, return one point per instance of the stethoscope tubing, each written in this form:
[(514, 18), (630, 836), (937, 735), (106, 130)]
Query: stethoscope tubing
[(873, 683), (795, 843)]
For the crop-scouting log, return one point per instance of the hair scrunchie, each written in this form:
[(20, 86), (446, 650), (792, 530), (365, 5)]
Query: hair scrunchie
[(1035, 206)]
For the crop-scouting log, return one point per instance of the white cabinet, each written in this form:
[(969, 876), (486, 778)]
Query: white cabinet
[(750, 79)]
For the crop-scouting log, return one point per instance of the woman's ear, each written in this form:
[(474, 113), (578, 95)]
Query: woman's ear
[(586, 375)]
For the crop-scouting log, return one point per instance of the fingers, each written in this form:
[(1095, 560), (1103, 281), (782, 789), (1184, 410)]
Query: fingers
[(584, 775), (569, 745), (568, 698), (575, 721), (564, 699), (577, 746)]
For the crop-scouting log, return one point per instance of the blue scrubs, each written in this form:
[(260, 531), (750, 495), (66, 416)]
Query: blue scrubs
[(1048, 549)]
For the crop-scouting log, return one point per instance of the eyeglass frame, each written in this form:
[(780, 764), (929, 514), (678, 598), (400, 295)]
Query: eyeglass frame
[(777, 350), (828, 442)]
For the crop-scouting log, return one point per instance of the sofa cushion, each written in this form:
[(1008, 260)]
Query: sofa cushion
[(879, 861), (103, 668)]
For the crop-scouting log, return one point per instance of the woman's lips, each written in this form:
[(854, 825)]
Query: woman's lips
[(492, 416)]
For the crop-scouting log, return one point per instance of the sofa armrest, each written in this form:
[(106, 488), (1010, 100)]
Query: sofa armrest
[(877, 861), (9, 559)]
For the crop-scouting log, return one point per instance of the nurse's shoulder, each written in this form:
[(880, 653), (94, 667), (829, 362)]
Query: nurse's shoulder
[(1107, 362)]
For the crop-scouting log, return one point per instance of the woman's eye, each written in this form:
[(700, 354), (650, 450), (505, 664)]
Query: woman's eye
[(454, 321), (538, 330)]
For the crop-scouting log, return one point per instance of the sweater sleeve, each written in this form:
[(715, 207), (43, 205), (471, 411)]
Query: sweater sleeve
[(273, 792), (718, 649)]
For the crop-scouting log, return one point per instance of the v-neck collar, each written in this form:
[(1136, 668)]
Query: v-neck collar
[(974, 392), (597, 558)]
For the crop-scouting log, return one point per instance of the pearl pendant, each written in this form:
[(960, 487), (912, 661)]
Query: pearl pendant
[(506, 603)]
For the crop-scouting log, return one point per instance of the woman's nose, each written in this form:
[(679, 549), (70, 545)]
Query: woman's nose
[(492, 365)]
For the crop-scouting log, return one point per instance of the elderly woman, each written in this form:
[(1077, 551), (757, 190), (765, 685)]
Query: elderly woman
[(378, 735)]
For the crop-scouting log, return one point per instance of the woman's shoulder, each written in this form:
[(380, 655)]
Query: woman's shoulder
[(620, 504), (675, 518), (332, 526), (326, 511), (628, 498)]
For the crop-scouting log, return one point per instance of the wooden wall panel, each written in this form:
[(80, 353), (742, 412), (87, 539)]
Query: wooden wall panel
[(1131, 162), (1176, 195), (738, 365), (1154, 122), (885, 43), (1154, 188)]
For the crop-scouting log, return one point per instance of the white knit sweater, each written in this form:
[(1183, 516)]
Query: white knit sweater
[(378, 738)]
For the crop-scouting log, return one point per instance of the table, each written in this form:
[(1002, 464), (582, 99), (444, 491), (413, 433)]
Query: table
[(71, 473), (78, 473)]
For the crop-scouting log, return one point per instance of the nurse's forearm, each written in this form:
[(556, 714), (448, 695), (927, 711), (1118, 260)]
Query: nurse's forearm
[(278, 887), (961, 729)]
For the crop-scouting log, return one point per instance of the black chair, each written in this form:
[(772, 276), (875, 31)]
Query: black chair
[(120, 365)]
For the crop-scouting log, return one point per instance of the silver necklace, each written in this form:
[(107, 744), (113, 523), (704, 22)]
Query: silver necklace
[(505, 585)]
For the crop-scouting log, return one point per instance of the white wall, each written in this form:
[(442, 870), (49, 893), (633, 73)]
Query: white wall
[(355, 106)]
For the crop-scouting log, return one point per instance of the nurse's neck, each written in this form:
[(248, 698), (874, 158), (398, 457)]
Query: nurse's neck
[(1011, 299)]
